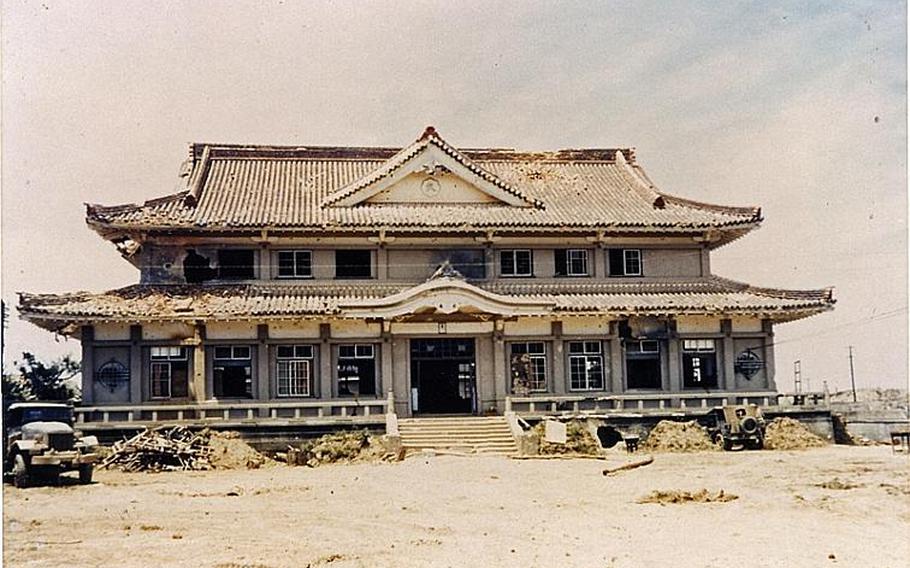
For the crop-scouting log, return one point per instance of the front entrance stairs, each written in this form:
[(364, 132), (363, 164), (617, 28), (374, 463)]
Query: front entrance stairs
[(471, 434)]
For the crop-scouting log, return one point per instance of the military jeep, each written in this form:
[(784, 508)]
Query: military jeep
[(40, 443), (740, 426)]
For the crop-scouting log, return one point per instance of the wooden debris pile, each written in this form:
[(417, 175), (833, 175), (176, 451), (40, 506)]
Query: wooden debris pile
[(162, 449)]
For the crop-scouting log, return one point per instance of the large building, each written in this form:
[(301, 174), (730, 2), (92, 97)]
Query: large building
[(309, 283)]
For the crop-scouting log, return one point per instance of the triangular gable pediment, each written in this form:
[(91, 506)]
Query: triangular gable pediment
[(429, 171), (445, 295)]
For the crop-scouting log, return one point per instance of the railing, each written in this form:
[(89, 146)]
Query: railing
[(258, 412), (553, 404)]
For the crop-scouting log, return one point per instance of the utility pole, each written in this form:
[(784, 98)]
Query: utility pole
[(797, 377), (852, 377)]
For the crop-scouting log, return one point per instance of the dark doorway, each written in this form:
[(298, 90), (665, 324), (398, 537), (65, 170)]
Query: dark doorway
[(443, 376)]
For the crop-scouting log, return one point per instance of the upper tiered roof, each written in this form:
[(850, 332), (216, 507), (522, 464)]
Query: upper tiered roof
[(301, 190)]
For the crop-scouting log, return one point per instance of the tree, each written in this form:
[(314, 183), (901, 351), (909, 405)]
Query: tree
[(40, 381)]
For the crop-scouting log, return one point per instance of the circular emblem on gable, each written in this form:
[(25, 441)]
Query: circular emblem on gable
[(430, 186)]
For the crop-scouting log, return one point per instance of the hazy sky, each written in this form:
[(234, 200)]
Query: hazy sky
[(799, 107)]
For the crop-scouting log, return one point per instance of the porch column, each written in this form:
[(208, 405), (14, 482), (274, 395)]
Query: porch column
[(325, 362), (769, 354), (197, 384), (675, 378), (386, 373), (135, 364), (88, 364), (559, 360), (501, 380), (616, 359), (263, 379), (729, 378)]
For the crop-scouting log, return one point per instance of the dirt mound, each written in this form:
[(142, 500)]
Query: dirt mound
[(228, 451), (789, 434), (669, 436), (579, 440), (676, 497), (340, 447)]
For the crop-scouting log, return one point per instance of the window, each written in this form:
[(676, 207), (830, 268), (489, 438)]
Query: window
[(469, 262), (356, 370), (112, 375), (353, 264), (571, 262), (586, 363), (529, 366), (294, 369), (236, 264), (625, 262), (699, 363), (643, 364), (516, 263), (169, 372), (233, 368), (295, 264)]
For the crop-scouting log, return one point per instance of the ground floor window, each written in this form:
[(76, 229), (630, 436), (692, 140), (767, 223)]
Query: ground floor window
[(643, 364), (356, 369), (699, 363), (169, 372), (586, 364), (529, 366), (233, 368), (294, 370)]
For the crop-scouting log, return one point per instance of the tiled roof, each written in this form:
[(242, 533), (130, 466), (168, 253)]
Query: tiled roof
[(276, 301), (251, 188)]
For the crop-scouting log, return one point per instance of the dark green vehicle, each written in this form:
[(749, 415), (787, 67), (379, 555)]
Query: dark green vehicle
[(740, 426)]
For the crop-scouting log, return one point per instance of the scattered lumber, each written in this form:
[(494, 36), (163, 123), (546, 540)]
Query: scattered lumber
[(161, 449), (627, 466)]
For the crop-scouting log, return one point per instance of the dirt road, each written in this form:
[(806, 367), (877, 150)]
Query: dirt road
[(834, 506)]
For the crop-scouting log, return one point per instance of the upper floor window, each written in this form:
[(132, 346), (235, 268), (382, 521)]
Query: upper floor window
[(236, 264), (295, 264), (351, 263), (516, 262), (469, 262), (625, 262), (571, 262)]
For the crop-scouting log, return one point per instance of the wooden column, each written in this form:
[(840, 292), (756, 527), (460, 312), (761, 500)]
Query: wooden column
[(559, 380), (728, 381), (263, 380), (386, 382), (767, 326), (675, 382), (88, 364), (198, 392), (501, 379), (326, 373), (616, 359), (136, 375)]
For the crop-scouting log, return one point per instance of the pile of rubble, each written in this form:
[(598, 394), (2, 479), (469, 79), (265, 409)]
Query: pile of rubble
[(579, 440), (340, 447), (789, 434), (179, 448), (670, 436), (675, 497)]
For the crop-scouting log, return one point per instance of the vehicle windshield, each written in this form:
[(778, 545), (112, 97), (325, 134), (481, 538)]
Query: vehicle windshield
[(47, 414)]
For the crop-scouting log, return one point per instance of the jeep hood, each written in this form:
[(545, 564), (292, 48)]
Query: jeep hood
[(33, 429)]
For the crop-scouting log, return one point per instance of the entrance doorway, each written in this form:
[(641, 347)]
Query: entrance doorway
[(443, 377)]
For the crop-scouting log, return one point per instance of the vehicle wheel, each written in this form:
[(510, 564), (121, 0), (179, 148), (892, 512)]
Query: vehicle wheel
[(728, 445), (21, 476), (755, 444), (718, 440), (85, 473)]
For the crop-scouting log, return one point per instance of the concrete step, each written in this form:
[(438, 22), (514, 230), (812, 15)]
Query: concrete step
[(472, 434)]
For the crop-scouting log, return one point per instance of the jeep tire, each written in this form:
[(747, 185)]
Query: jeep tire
[(85, 473), (21, 477)]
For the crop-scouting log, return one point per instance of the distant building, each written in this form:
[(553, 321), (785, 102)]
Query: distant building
[(310, 282)]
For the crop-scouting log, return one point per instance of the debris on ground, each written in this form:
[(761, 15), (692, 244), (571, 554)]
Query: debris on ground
[(675, 497), (670, 436), (838, 485), (788, 434), (340, 447), (179, 448), (628, 466), (578, 440)]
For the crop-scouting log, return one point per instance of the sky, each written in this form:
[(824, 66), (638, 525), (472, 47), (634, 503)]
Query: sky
[(799, 107)]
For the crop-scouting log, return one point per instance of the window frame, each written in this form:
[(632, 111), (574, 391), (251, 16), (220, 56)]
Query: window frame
[(298, 356), (642, 354), (538, 357), (164, 357), (514, 254), (586, 354), (235, 360), (295, 264), (626, 260), (371, 268), (621, 264), (361, 352), (695, 349), (220, 270), (566, 270)]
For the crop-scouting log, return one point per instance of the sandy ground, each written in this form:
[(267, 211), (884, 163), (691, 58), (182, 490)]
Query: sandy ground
[(490, 511)]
